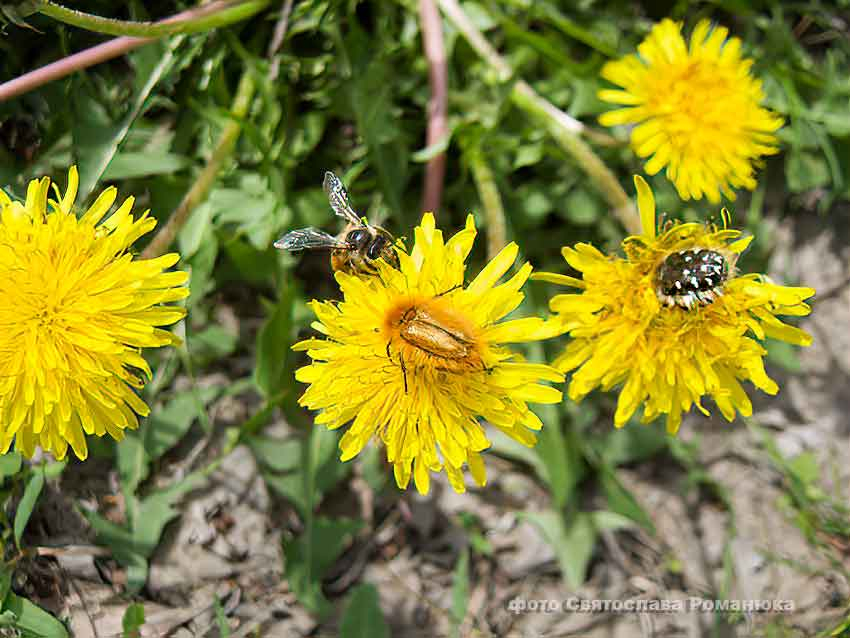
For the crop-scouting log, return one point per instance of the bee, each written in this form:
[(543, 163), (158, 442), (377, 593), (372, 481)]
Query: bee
[(692, 277), (356, 249)]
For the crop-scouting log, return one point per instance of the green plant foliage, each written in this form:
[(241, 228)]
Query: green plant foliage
[(362, 617), (309, 556), (133, 620), (351, 94)]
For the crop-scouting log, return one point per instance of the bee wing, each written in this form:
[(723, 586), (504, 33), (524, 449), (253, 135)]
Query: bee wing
[(308, 238), (338, 198)]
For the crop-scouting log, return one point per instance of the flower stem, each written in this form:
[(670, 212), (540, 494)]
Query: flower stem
[(214, 15), (201, 188), (488, 191), (115, 47), (563, 128), (438, 128)]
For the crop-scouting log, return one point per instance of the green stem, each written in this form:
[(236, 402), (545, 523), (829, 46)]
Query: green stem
[(201, 188), (564, 129), (214, 15), (488, 191)]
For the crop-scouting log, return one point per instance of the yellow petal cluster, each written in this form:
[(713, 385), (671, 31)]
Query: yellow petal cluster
[(414, 357), (668, 358), (696, 109), (76, 309)]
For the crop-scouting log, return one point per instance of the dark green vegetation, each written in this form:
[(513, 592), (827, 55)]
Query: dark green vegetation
[(351, 95)]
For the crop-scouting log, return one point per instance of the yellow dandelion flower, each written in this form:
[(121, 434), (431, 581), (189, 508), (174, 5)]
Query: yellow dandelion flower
[(415, 357), (673, 321), (696, 109), (75, 311)]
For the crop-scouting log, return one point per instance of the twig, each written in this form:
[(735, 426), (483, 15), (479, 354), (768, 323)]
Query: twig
[(562, 127), (488, 191), (438, 129), (113, 49), (201, 188), (278, 36)]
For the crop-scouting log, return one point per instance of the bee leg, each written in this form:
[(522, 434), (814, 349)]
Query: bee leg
[(455, 287), (401, 362), (403, 372)]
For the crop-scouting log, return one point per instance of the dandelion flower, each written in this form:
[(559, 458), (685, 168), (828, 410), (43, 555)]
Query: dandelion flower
[(696, 109), (669, 346), (414, 357), (75, 311)]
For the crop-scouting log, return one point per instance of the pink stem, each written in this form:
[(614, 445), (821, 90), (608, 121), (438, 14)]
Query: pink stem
[(94, 55), (432, 41)]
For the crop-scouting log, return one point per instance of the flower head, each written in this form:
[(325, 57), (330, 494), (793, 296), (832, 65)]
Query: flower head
[(75, 311), (670, 346), (696, 109), (414, 356)]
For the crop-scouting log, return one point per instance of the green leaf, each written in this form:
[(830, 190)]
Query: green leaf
[(582, 207), (428, 153), (277, 455), (128, 165), (460, 591), (133, 462), (252, 208), (31, 620), (362, 617), (117, 538), (561, 457), (10, 464), (631, 444), (5, 582), (806, 170), (213, 342), (783, 354), (196, 230), (156, 510), (370, 98), (170, 423), (621, 501), (221, 619), (310, 555), (272, 371), (301, 470), (132, 621), (96, 138), (28, 501), (573, 542)]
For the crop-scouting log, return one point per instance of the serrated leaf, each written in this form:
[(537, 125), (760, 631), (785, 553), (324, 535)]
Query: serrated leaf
[(362, 617), (156, 511), (310, 555), (27, 504)]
